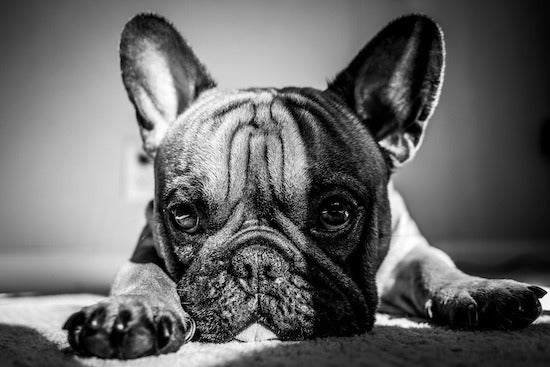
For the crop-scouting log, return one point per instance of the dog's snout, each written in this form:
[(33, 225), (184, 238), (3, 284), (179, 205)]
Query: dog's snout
[(258, 262)]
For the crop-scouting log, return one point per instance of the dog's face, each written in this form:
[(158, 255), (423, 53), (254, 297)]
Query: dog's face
[(267, 218), (271, 205)]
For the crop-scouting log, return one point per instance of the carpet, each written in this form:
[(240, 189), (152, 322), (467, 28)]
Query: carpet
[(31, 335)]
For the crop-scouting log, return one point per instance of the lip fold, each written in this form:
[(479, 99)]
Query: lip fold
[(256, 332)]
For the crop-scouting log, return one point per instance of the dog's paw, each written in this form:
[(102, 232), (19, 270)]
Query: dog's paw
[(127, 327), (477, 303)]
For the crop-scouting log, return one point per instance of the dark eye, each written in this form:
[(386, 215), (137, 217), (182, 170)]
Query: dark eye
[(186, 217), (334, 214)]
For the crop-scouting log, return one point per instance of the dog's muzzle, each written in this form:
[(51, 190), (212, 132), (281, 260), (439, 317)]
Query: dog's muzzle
[(259, 286), (258, 265)]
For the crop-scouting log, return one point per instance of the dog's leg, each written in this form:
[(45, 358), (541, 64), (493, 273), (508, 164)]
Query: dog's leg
[(142, 315), (418, 279)]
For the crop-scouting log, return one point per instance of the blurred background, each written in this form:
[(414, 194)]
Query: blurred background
[(73, 190)]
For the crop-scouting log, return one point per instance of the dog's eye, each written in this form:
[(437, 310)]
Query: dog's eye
[(186, 217), (334, 215)]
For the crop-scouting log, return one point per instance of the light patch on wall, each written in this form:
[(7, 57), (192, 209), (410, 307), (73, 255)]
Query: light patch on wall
[(137, 173)]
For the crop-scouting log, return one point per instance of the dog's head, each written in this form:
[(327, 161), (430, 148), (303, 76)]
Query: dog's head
[(271, 205)]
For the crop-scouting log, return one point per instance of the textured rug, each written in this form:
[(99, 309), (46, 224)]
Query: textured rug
[(31, 335)]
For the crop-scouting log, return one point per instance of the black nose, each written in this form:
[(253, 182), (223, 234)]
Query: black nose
[(255, 263)]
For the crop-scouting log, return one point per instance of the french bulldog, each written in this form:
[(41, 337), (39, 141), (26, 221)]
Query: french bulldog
[(274, 215)]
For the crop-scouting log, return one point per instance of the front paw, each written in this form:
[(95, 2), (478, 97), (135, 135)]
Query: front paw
[(127, 327), (477, 303)]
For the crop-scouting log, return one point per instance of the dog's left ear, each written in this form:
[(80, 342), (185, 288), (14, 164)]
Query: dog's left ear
[(161, 74), (393, 84)]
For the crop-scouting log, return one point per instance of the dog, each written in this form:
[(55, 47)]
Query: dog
[(274, 215)]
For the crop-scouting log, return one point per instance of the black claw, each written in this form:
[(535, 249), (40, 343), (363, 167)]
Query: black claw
[(74, 320), (464, 317), (122, 320), (428, 308), (539, 292), (164, 331), (539, 310), (96, 319), (472, 315), (74, 327)]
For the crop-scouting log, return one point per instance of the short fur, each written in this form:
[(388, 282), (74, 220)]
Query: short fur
[(257, 167)]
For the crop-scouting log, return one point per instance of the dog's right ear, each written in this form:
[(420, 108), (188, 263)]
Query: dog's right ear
[(161, 74)]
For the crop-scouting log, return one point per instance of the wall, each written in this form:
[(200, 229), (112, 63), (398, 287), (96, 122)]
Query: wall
[(65, 120)]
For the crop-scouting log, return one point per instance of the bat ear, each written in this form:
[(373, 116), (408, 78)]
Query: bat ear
[(393, 84), (161, 74)]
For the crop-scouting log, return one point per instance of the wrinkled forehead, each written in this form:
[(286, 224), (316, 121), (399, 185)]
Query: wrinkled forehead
[(281, 141)]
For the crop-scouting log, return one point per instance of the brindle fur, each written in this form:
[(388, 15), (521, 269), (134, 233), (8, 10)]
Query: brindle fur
[(257, 163)]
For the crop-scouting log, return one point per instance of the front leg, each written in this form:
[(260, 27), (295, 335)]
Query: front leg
[(142, 315), (418, 279), (427, 286)]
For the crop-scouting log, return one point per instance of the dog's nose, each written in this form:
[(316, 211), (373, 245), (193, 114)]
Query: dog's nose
[(258, 262)]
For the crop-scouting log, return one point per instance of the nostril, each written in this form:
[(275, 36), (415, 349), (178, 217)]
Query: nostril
[(241, 267), (241, 270), (257, 263)]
